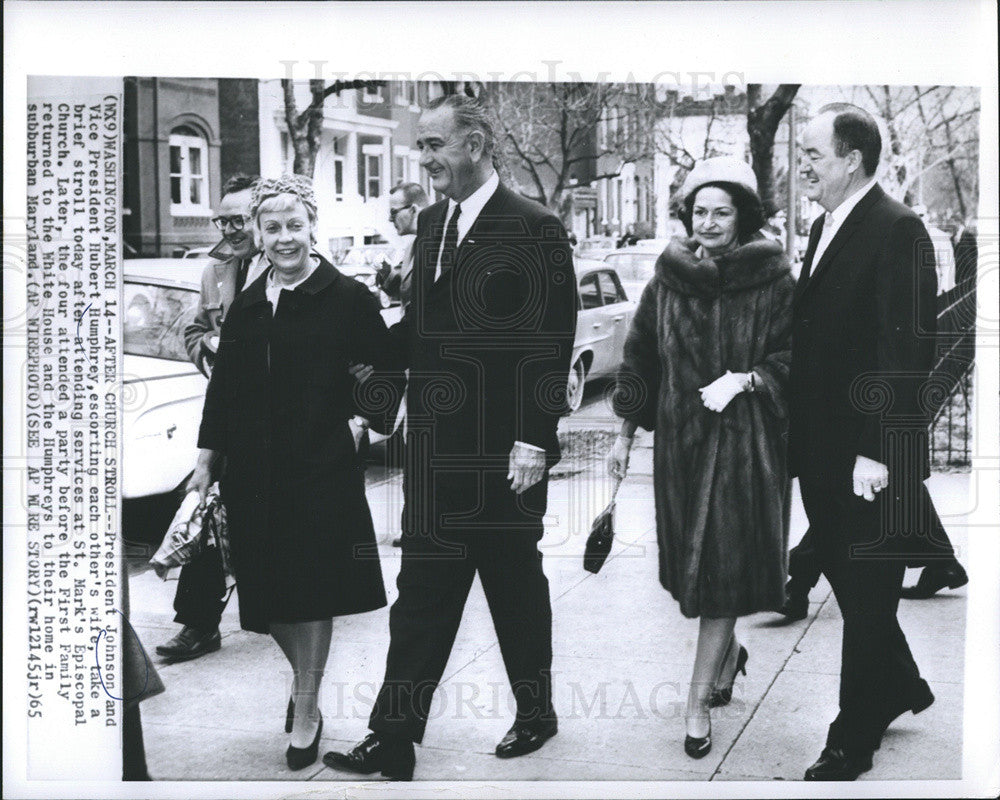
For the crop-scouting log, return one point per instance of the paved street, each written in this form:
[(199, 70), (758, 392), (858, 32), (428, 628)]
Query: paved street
[(623, 656)]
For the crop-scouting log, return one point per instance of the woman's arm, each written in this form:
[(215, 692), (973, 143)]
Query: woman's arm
[(637, 387)]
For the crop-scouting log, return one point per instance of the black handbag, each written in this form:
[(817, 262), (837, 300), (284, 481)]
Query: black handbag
[(602, 534)]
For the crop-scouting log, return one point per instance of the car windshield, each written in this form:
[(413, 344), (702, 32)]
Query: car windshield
[(633, 266), (155, 318)]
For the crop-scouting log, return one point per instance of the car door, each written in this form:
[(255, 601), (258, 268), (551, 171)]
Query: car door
[(591, 325), (618, 310)]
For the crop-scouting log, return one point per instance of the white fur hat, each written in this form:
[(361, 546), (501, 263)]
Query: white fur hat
[(721, 169)]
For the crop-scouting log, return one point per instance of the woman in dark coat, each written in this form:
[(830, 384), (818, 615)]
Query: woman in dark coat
[(705, 366), (277, 407)]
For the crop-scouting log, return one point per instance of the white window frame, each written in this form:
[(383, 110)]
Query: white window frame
[(186, 208), (371, 97), (341, 160), (377, 152)]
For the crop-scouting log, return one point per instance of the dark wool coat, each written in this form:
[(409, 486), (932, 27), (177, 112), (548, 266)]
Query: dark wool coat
[(721, 487), (278, 406)]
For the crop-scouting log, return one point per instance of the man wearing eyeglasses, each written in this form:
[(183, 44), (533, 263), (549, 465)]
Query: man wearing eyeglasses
[(237, 265), (201, 589), (405, 203)]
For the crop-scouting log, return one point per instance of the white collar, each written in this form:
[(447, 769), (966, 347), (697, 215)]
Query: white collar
[(839, 214), (273, 284), (473, 204)]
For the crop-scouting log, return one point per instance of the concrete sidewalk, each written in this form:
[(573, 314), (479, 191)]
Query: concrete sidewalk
[(622, 661)]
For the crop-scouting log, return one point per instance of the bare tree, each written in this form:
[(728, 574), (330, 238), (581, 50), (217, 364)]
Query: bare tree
[(305, 128), (554, 133), (763, 119), (930, 127)]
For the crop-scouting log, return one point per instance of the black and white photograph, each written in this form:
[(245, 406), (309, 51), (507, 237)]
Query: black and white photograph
[(550, 423)]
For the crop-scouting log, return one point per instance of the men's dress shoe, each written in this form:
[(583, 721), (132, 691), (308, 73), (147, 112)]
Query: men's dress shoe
[(795, 607), (301, 757), (935, 577), (920, 700), (190, 643), (723, 696), (394, 758), (835, 764), (290, 715), (522, 739)]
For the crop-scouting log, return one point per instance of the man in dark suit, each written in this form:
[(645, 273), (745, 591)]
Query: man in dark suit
[(201, 593), (487, 339), (862, 349)]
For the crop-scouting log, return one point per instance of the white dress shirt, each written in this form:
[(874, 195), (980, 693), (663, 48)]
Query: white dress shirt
[(472, 206), (834, 219)]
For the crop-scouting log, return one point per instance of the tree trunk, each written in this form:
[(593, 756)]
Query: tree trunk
[(762, 125)]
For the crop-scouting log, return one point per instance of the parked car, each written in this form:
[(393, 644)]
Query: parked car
[(362, 262), (162, 392), (594, 247), (604, 315), (199, 252), (635, 265)]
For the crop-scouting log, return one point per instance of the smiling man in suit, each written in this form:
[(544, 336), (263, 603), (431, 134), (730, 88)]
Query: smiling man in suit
[(862, 349), (487, 338)]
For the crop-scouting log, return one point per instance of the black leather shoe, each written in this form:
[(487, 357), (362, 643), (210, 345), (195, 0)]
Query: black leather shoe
[(921, 699), (795, 607), (301, 757), (394, 758), (723, 696), (190, 643), (934, 578), (835, 764), (290, 715), (522, 738)]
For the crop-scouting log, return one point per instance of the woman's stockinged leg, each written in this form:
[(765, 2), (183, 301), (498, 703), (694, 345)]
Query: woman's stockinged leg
[(715, 638), (307, 646)]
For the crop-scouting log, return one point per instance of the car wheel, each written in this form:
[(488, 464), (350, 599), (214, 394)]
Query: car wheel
[(575, 384)]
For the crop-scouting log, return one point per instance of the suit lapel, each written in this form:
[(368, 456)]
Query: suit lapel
[(225, 280), (814, 236), (843, 235)]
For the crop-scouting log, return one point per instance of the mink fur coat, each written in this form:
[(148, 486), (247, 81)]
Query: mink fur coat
[(720, 479)]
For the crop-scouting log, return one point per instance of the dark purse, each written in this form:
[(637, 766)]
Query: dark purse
[(602, 534)]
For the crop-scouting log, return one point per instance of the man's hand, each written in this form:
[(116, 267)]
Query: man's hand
[(718, 394), (199, 482), (870, 477), (361, 372), (618, 457), (527, 467)]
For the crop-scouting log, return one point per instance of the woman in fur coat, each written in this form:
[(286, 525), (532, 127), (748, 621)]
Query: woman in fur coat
[(705, 367)]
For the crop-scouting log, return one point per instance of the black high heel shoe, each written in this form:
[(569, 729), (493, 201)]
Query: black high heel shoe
[(723, 696), (290, 715), (301, 757), (699, 747)]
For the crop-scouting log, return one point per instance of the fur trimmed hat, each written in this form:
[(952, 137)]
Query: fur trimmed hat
[(721, 169)]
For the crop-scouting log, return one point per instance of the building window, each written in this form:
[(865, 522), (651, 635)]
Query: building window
[(399, 171), (406, 93), (371, 94), (373, 176), (338, 168), (189, 190)]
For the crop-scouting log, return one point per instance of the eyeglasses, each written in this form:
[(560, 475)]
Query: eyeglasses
[(237, 221), (395, 212)]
